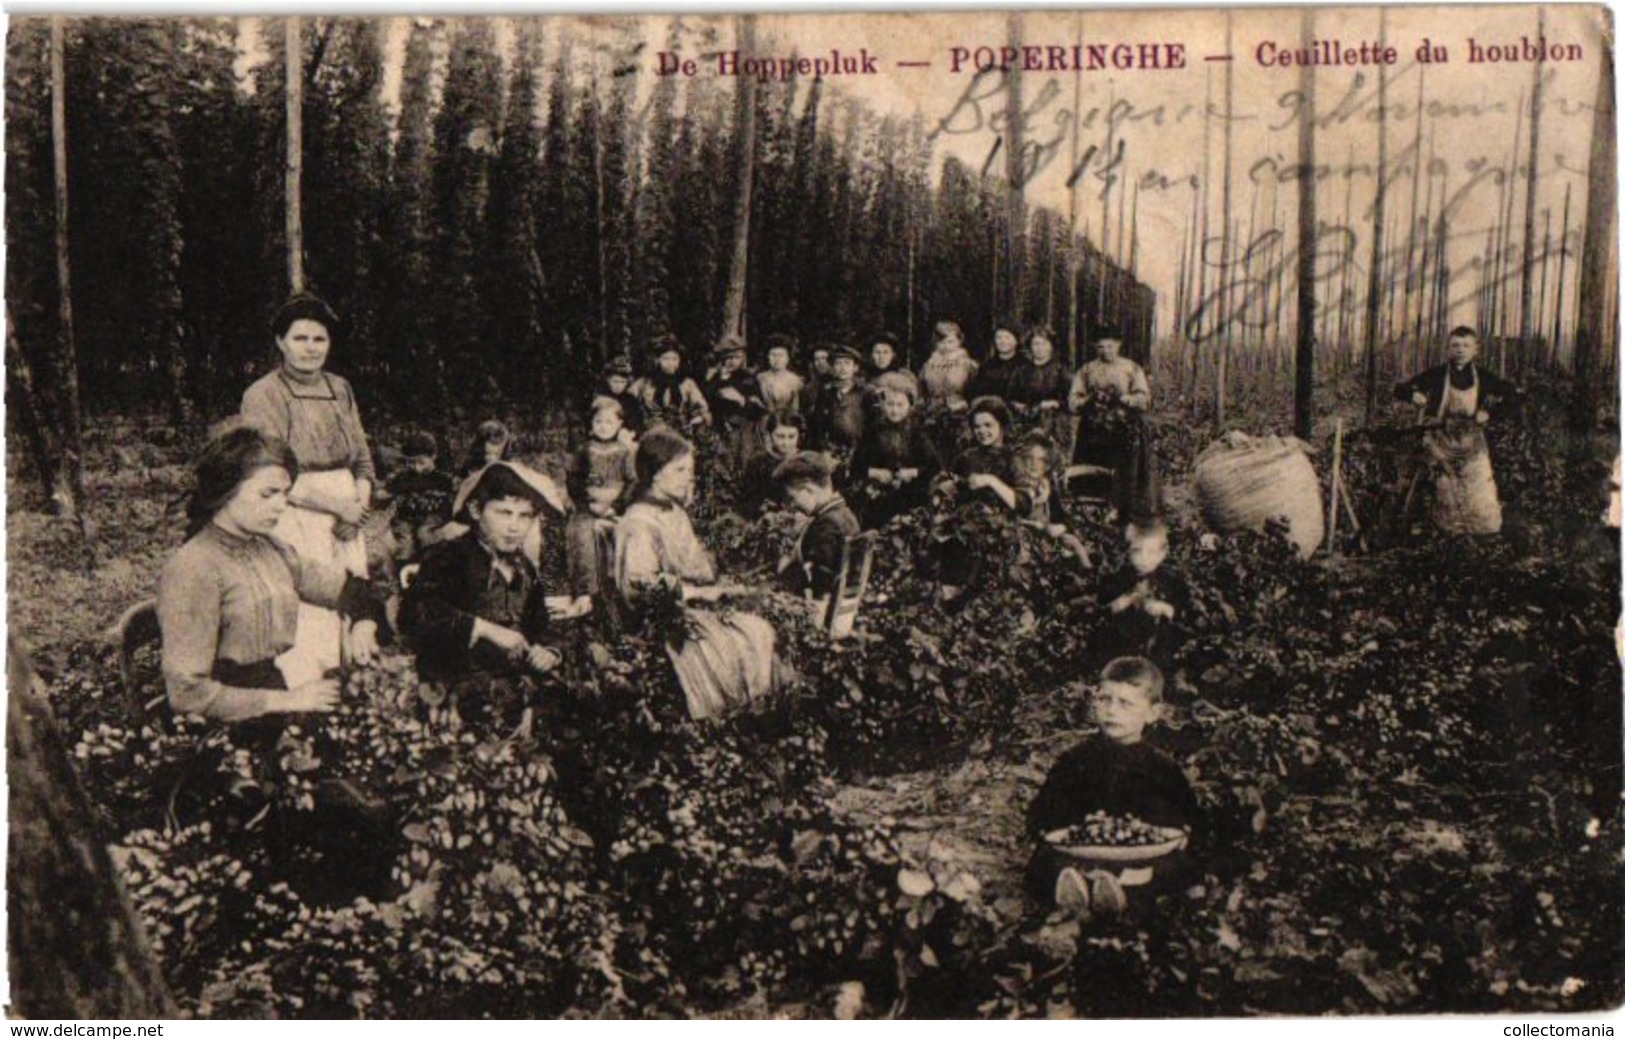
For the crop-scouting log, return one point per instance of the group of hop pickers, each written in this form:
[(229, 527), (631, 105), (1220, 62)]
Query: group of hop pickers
[(269, 594)]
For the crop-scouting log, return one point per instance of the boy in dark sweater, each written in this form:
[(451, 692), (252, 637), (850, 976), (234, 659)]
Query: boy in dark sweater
[(1147, 607), (477, 604), (1117, 773), (816, 563)]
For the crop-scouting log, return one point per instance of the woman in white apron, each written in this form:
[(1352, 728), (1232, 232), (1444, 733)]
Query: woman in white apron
[(315, 412), (1461, 397)]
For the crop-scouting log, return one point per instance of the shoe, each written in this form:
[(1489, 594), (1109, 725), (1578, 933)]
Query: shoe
[(1105, 893), (1072, 892)]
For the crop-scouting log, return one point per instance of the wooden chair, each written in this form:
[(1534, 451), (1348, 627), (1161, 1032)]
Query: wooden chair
[(137, 630), (851, 583)]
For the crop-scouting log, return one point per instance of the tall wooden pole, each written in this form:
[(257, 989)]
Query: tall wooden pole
[(67, 494), (295, 97), (1303, 410), (1562, 274), (1073, 241), (733, 312), (1416, 196), (1593, 333), (1015, 200), (1202, 236), (1528, 322), (1545, 271), (1373, 285), (1225, 275)]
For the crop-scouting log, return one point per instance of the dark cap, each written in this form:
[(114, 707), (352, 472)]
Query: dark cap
[(804, 465), (619, 365), (849, 352), (728, 345), (418, 444), (1106, 330)]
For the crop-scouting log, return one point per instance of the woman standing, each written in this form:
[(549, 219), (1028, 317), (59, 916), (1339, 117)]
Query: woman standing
[(1458, 399), (314, 412), (726, 659), (229, 599), (1110, 395)]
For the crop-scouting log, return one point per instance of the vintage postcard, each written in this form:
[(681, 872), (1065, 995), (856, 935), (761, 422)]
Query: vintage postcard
[(979, 514)]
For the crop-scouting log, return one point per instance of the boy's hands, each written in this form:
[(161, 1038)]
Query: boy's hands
[(541, 659)]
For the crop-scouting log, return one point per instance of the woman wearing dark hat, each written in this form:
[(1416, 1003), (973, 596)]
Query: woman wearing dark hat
[(1110, 395), (315, 412), (735, 397), (725, 660), (668, 395)]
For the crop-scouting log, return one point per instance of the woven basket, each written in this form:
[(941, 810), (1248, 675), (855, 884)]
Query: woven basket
[(1242, 482)]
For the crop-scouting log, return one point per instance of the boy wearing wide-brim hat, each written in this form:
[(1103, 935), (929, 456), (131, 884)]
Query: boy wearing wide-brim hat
[(477, 602)]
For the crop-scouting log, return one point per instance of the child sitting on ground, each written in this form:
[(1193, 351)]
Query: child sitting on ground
[(1144, 603), (895, 462), (1035, 492), (476, 606), (600, 482), (812, 570), (1118, 774), (422, 496)]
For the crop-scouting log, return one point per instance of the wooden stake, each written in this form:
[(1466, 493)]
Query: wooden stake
[(1337, 486), (294, 92)]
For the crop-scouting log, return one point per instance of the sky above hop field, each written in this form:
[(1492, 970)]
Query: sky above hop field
[(1142, 80)]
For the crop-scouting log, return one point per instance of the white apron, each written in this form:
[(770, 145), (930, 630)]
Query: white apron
[(318, 640)]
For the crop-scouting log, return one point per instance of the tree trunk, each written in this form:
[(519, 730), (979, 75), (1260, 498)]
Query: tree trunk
[(1303, 410), (75, 949), (1592, 328), (733, 311), (43, 450)]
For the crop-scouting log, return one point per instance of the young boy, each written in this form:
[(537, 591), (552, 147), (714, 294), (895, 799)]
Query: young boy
[(837, 423), (476, 605), (816, 563), (1117, 773), (600, 482), (1144, 603), (422, 496)]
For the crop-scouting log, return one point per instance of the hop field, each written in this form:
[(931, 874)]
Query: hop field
[(1408, 763)]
